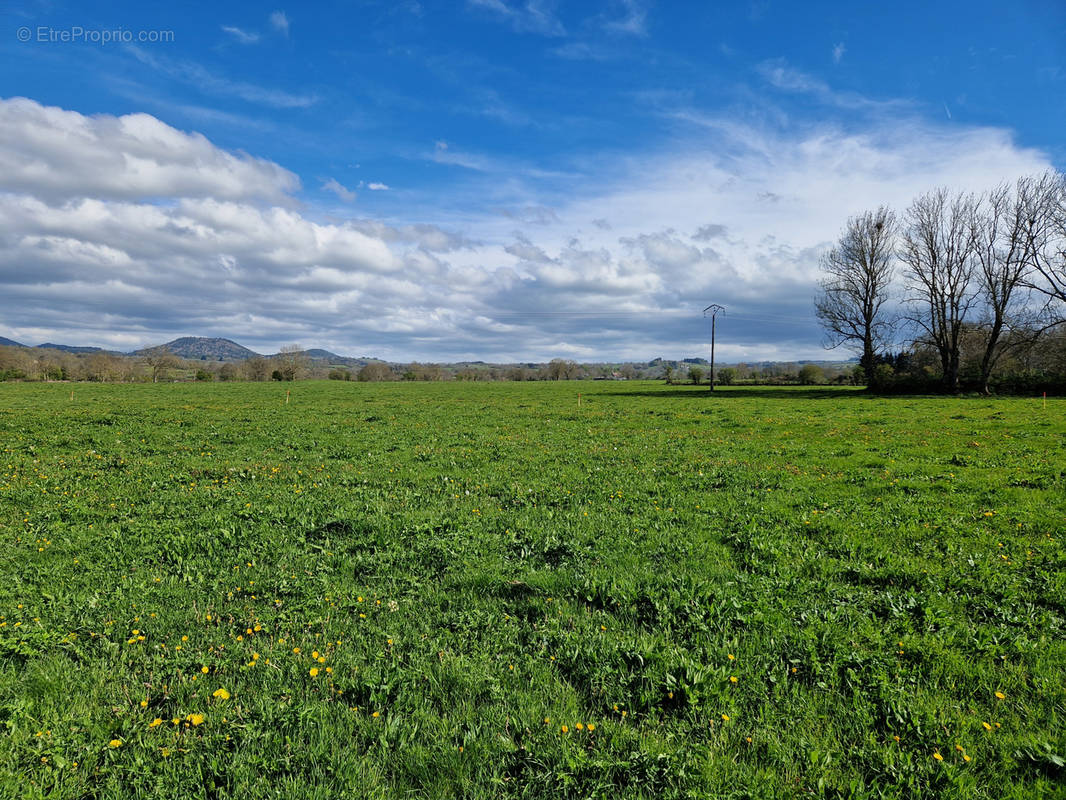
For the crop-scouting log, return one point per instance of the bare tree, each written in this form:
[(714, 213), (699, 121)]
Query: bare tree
[(160, 360), (102, 367), (858, 273), (292, 362), (375, 371), (1007, 226), (1048, 212), (938, 245), (562, 369)]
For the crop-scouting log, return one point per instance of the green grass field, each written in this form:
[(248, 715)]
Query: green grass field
[(493, 590)]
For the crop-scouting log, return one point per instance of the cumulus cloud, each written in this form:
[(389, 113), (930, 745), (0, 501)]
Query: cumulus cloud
[(377, 187), (710, 231), (57, 154), (430, 238)]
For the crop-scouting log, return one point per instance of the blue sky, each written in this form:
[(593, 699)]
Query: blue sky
[(488, 179)]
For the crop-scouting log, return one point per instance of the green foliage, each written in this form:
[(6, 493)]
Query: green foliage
[(695, 374), (727, 376), (478, 565), (811, 375)]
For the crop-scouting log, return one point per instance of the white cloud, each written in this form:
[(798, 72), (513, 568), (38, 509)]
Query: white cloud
[(199, 77), (632, 22), (345, 194), (838, 52), (280, 22), (444, 154), (531, 16), (242, 36), (780, 75), (58, 154), (377, 187)]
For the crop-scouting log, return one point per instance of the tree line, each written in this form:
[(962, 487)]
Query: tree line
[(962, 290), (160, 365)]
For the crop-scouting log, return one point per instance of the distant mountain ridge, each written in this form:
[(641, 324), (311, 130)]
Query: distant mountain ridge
[(202, 348), (206, 348), (69, 348)]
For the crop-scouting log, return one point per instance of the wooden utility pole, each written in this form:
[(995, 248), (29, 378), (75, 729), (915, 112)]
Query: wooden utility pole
[(714, 308)]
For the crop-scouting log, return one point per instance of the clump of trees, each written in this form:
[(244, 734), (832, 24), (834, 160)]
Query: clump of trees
[(972, 285)]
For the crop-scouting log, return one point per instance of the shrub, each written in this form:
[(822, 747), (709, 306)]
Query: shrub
[(811, 374), (727, 376)]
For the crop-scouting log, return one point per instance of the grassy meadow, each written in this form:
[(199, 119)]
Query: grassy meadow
[(500, 590)]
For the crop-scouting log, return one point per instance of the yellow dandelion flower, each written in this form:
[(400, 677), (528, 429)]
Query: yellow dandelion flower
[(313, 672), (144, 704), (205, 669), (565, 729), (155, 723), (376, 714), (725, 718), (938, 757), (966, 758), (221, 694), (732, 678), (579, 727), (1001, 696), (196, 719), (731, 657), (591, 727), (959, 747), (986, 726), (296, 649), (114, 743)]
